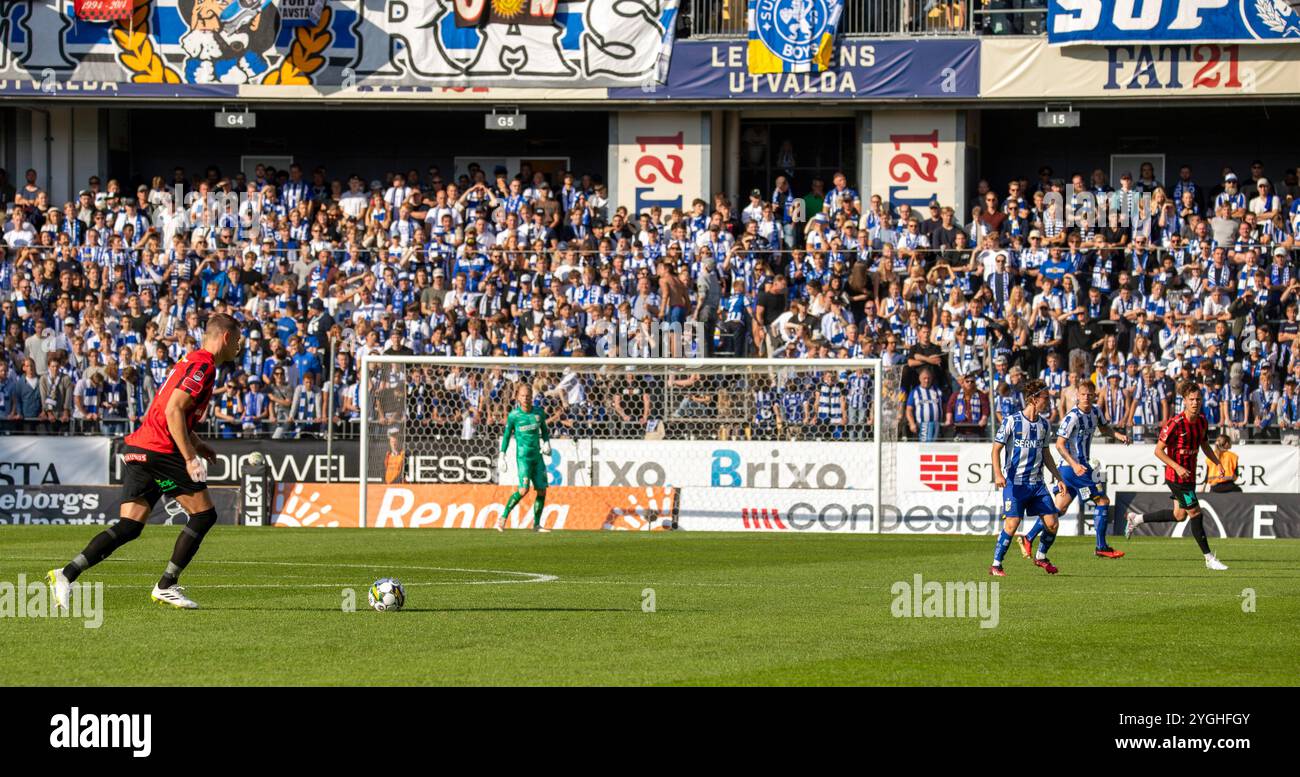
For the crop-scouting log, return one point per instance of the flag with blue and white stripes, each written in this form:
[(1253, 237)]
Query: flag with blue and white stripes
[(792, 36)]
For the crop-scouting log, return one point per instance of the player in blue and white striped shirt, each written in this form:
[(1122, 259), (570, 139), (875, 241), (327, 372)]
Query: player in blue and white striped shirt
[(1024, 437), (1074, 443)]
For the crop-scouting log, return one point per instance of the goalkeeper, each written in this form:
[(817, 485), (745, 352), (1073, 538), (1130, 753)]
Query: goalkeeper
[(527, 424)]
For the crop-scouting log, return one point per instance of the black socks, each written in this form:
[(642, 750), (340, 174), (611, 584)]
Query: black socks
[(102, 545), (187, 544)]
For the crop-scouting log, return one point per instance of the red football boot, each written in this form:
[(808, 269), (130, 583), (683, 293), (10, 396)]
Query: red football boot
[(1047, 566)]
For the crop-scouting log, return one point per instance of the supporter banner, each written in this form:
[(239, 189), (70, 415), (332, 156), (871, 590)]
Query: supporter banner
[(860, 69), (294, 461), (472, 507), (661, 159), (915, 155), (968, 467), (792, 36), (713, 464), (1098, 21), (102, 10), (40, 460), (1026, 68), (44, 505), (1257, 516), (176, 44)]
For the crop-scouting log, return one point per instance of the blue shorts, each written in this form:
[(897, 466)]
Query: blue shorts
[(1082, 486), (1027, 499)]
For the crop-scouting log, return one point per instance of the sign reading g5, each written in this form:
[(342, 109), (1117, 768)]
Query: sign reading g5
[(1184, 21)]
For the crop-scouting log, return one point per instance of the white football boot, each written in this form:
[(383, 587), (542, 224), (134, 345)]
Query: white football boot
[(175, 596), (1213, 563), (60, 587)]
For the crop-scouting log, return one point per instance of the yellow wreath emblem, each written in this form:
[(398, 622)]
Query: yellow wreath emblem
[(304, 56), (137, 50)]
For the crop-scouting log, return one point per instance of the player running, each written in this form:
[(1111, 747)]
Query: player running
[(527, 424), (1180, 438), (1024, 435), (1074, 442), (165, 458)]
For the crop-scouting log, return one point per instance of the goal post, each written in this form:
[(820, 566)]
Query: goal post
[(718, 429)]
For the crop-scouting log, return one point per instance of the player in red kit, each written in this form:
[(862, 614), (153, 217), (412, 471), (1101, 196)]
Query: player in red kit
[(165, 458), (1180, 438)]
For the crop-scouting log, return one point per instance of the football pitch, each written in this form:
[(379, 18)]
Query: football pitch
[(655, 608)]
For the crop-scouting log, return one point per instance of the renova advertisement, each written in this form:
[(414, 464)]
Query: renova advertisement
[(471, 507)]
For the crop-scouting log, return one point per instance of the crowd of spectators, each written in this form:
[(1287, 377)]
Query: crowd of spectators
[(1188, 279)]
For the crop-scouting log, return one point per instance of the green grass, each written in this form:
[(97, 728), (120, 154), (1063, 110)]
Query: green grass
[(731, 609)]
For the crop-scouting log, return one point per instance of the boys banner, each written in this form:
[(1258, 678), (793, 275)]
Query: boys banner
[(211, 47), (1174, 21), (792, 36), (860, 69)]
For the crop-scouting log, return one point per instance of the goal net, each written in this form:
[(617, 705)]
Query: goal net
[(695, 444)]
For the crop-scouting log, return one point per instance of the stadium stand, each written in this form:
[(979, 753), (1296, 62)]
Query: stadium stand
[(1134, 286)]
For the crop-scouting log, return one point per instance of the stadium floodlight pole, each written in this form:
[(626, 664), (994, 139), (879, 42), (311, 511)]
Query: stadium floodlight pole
[(369, 412)]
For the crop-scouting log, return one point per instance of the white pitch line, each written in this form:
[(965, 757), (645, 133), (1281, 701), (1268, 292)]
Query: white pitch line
[(528, 577)]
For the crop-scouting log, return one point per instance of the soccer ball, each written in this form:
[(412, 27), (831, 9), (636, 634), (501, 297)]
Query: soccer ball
[(386, 594), (256, 459)]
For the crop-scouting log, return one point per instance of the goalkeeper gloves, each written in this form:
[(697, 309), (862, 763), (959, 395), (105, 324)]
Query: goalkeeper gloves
[(546, 448)]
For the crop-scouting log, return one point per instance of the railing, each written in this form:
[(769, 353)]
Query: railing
[(726, 18), (1010, 17)]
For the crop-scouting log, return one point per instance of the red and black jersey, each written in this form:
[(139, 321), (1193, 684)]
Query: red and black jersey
[(1183, 437), (195, 375)]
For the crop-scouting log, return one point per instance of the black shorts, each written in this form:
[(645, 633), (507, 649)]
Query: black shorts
[(1184, 494), (150, 475)]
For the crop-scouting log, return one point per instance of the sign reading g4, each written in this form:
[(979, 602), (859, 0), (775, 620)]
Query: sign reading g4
[(1184, 21)]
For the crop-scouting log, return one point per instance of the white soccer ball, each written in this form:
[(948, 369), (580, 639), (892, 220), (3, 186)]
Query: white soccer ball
[(386, 594), (256, 459)]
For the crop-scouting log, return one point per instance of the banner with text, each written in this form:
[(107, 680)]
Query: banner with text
[(81, 505), (1257, 516), (472, 507), (1031, 69), (968, 467), (723, 464), (661, 159), (842, 511), (1171, 21), (860, 69), (210, 48), (914, 157), (39, 460), (295, 461)]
